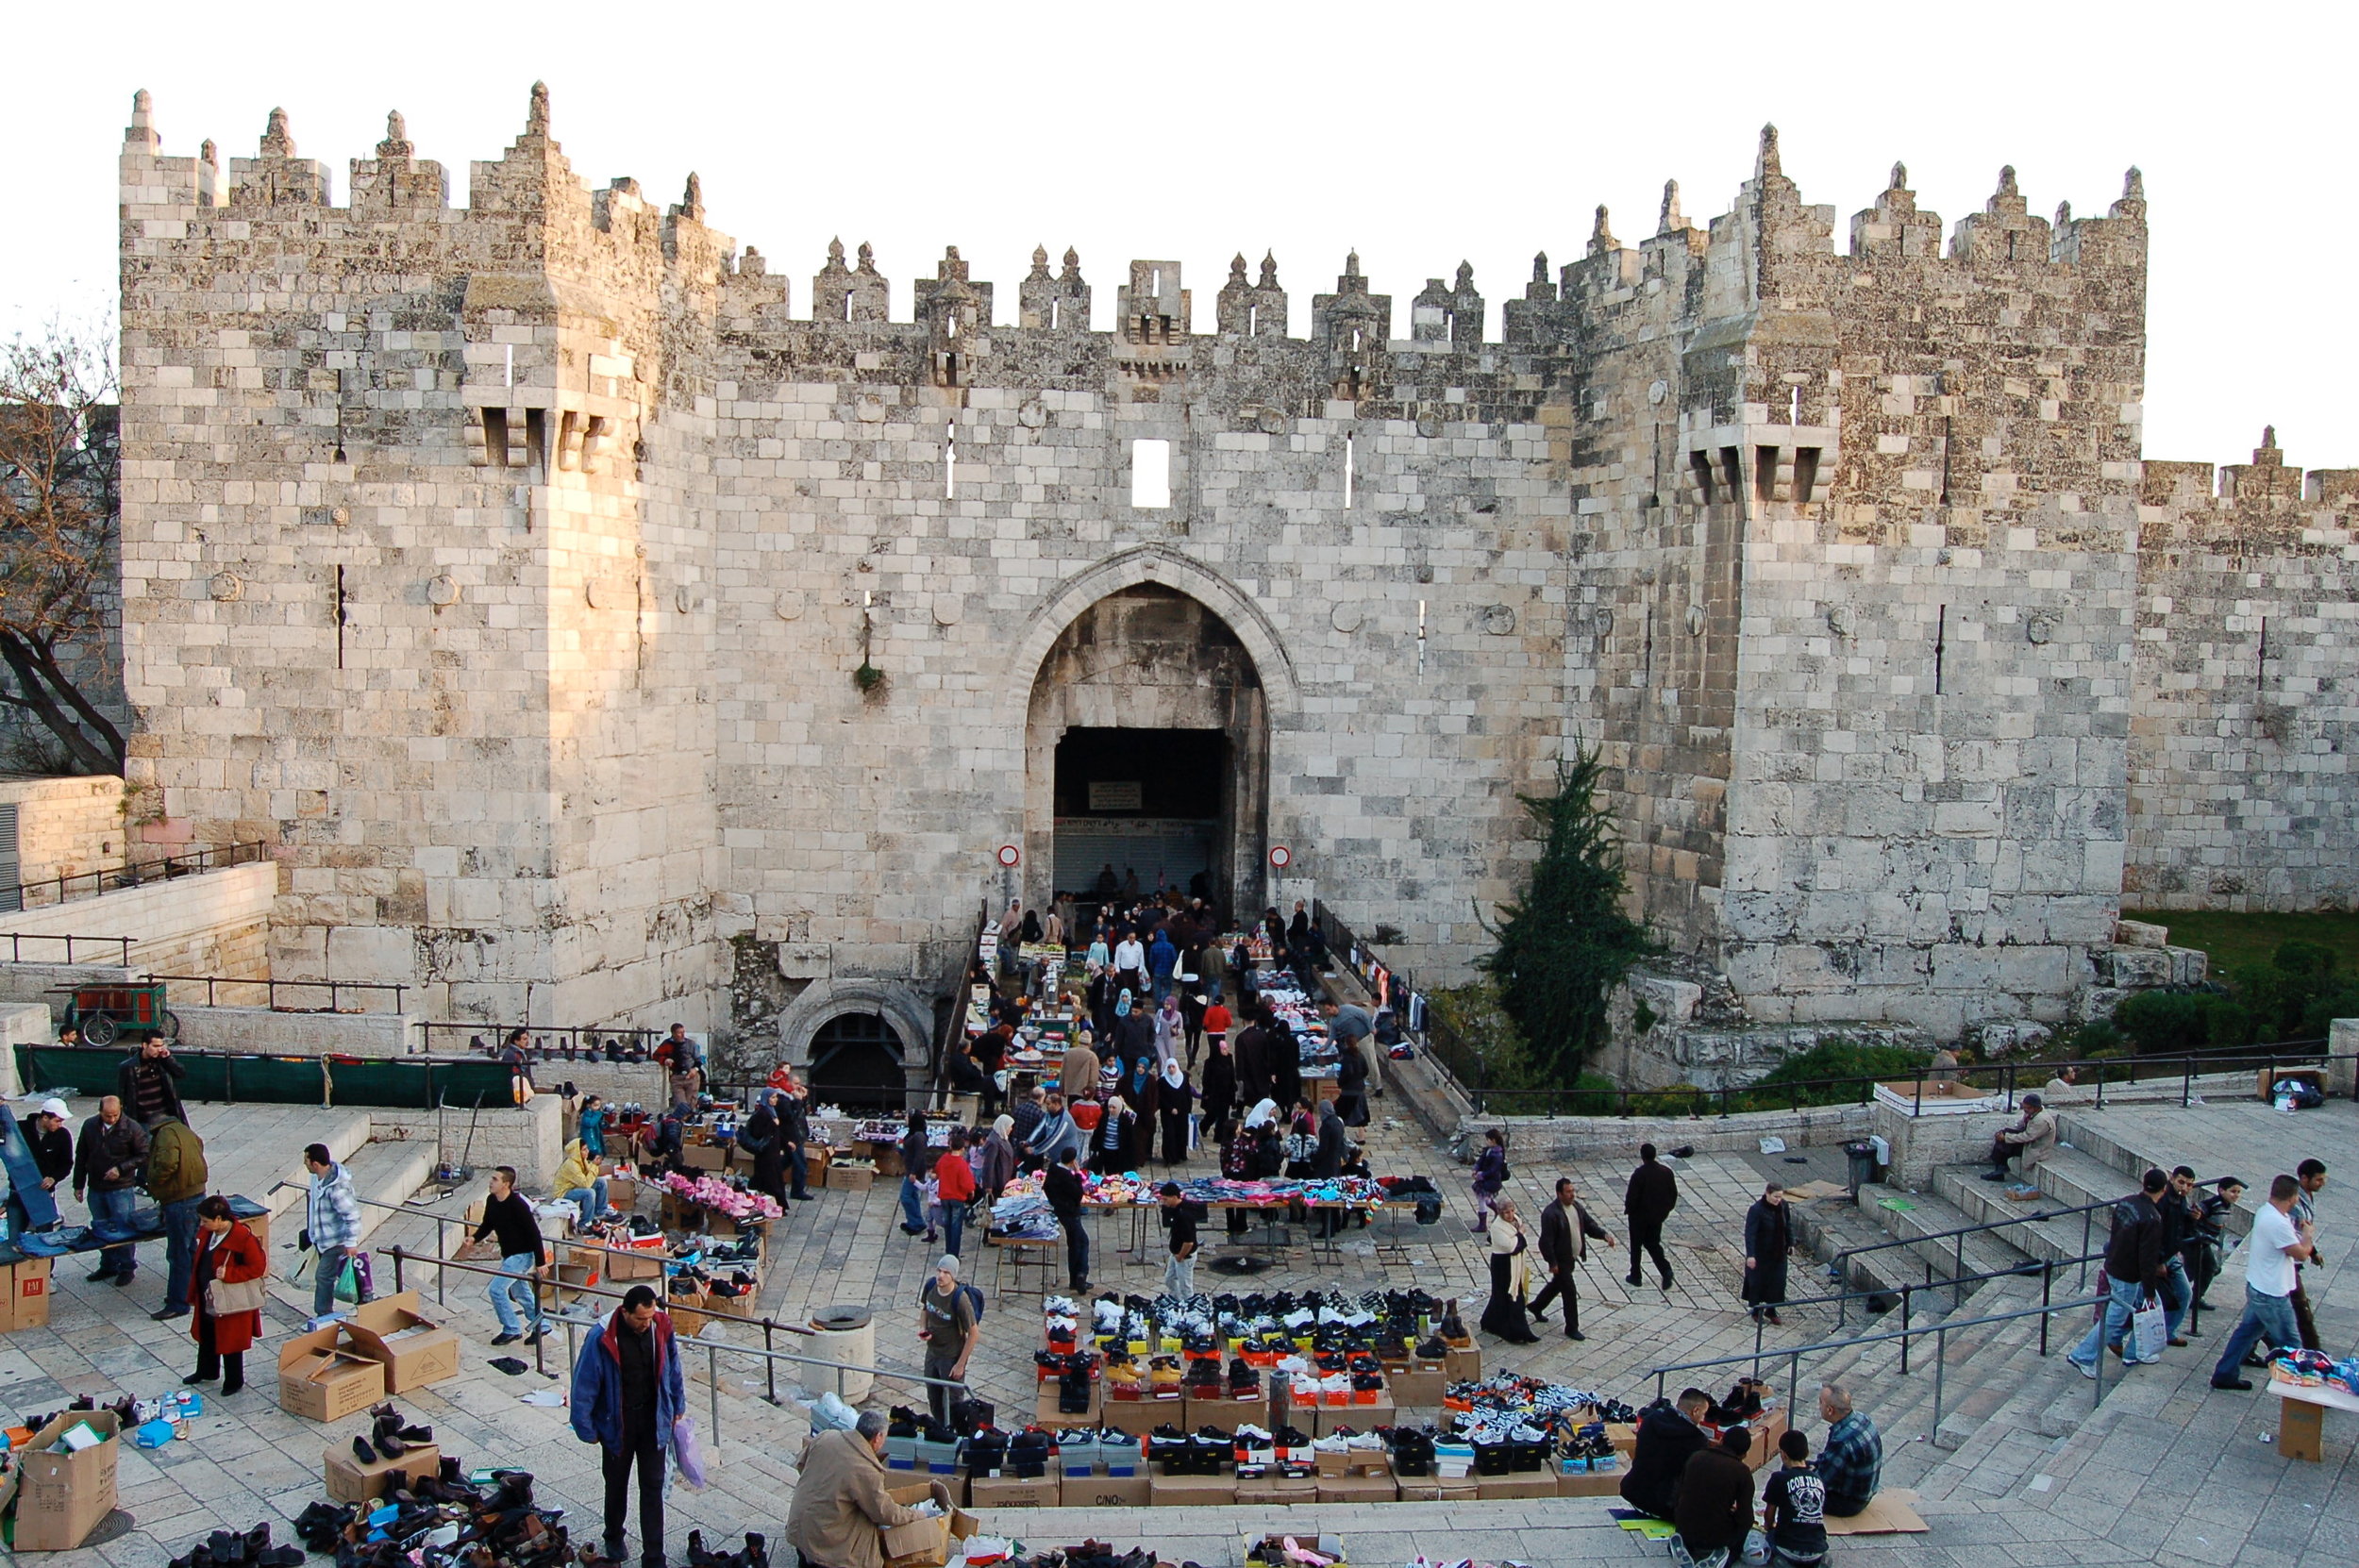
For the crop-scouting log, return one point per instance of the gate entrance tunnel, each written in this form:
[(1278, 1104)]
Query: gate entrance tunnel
[(1147, 748), (856, 1061), (1148, 804)]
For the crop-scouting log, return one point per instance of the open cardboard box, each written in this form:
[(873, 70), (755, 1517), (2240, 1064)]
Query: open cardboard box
[(925, 1543), (350, 1481), (415, 1349), (61, 1497), (26, 1286), (322, 1376)]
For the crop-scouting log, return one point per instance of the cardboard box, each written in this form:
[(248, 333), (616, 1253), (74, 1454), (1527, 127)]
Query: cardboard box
[(416, 1350), (1322, 1418), (1045, 1411), (1170, 1492), (1262, 1491), (61, 1497), (1767, 1429), (849, 1178), (1623, 1435), (1461, 1367), (26, 1286), (1358, 1489), (324, 1377), (622, 1191), (705, 1157), (1228, 1415), (816, 1158), (618, 1264), (925, 1543), (1584, 1483), (1106, 1491), (350, 1481), (1442, 1489), (1492, 1488), (1416, 1390), (1008, 1492), (1140, 1416)]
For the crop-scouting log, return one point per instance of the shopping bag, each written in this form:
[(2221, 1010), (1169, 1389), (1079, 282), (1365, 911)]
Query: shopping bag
[(2150, 1330), (353, 1284), (686, 1457)]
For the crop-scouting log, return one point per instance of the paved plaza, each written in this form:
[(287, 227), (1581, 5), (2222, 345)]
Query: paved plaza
[(2168, 1471)]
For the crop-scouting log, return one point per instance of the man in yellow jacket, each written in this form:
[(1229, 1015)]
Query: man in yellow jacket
[(578, 1183), (175, 1179)]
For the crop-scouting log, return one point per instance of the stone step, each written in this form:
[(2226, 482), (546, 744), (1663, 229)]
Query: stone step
[(2073, 1176), (1928, 1215), (388, 1173), (346, 1138), (2050, 1239)]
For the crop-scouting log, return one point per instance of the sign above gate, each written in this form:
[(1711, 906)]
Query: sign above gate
[(1128, 794)]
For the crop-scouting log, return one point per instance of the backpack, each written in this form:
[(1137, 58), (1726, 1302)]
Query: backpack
[(972, 1293)]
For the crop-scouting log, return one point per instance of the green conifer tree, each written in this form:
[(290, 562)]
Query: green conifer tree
[(1565, 943)]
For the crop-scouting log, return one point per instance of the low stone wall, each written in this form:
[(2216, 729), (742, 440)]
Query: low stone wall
[(48, 983), (529, 1137), (21, 1024), (299, 1034), (1576, 1136)]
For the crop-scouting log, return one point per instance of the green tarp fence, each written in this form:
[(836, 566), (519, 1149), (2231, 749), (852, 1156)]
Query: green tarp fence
[(226, 1076)]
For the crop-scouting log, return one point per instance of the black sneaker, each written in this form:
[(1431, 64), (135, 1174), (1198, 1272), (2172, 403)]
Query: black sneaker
[(506, 1339), (2238, 1384), (119, 1280), (538, 1335), (102, 1275), (1575, 1334), (169, 1313)]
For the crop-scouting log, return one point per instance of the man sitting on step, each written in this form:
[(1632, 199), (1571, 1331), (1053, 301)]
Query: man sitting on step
[(1852, 1459), (2029, 1141)]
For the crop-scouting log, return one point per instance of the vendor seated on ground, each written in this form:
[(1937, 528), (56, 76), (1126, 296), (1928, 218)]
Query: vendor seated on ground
[(1713, 1509), (2031, 1140), (1851, 1459), (841, 1511), (1668, 1436)]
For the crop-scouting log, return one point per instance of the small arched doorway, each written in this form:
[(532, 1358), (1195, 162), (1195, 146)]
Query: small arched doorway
[(1147, 750), (855, 1062)]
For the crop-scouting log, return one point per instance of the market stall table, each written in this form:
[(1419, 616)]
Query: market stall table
[(2302, 1416)]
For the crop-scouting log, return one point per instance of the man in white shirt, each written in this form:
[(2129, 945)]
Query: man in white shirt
[(2277, 1243), (1130, 962)]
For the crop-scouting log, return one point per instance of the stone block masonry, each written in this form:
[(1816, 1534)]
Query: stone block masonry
[(509, 568)]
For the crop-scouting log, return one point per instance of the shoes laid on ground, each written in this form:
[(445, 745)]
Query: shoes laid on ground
[(2238, 1384), (504, 1337), (361, 1447)]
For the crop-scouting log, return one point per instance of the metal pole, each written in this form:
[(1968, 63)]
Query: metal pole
[(2087, 1218), (712, 1388), (1904, 1330), (442, 1249), (2047, 1275), (1941, 1355), (398, 1286), (769, 1367)]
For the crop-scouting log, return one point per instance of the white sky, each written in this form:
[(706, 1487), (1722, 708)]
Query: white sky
[(1421, 134)]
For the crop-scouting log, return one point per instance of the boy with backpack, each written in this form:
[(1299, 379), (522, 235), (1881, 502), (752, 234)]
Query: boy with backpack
[(947, 1314)]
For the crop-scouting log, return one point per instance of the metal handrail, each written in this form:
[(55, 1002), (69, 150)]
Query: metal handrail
[(17, 940), (1793, 1355), (1835, 1264), (270, 988), (133, 875), (587, 1043), (715, 1349)]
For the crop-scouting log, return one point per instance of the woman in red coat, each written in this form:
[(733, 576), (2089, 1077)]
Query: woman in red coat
[(227, 1253)]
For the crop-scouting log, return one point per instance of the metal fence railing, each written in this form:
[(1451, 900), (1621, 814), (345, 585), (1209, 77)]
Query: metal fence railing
[(239, 1077), (306, 996), (62, 949), (546, 1042), (51, 891)]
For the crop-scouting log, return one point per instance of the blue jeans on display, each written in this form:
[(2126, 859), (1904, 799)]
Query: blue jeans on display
[(516, 1289), (953, 1227), (331, 1265), (180, 1251), (590, 1200), (116, 1206), (2265, 1317), (2127, 1296), (912, 1205)]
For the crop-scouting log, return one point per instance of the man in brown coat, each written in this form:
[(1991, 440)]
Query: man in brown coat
[(841, 1511)]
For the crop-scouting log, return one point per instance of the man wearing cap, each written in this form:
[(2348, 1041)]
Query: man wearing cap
[(945, 1320), (53, 1143), (2029, 1141)]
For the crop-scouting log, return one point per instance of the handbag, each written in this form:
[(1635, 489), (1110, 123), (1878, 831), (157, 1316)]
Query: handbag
[(223, 1297)]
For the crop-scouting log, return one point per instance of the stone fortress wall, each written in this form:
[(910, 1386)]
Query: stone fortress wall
[(510, 566)]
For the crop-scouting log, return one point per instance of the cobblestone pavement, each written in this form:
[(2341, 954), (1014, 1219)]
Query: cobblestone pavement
[(2167, 1473)]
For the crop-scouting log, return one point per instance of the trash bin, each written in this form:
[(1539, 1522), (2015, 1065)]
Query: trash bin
[(1863, 1156), (839, 1334)]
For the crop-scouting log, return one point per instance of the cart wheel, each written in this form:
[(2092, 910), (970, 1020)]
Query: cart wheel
[(171, 1026), (99, 1029)]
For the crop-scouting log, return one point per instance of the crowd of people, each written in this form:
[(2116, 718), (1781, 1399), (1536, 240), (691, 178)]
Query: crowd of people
[(1691, 1469)]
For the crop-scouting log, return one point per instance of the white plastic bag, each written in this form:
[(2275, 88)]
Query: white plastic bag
[(2150, 1330)]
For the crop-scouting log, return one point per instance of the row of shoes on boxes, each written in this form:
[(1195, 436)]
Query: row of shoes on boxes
[(1261, 1330), (1075, 1372)]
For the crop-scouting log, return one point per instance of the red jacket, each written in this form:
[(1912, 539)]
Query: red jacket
[(237, 1257), (954, 1177)]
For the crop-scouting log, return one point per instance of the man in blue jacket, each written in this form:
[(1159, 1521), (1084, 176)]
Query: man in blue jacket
[(627, 1391)]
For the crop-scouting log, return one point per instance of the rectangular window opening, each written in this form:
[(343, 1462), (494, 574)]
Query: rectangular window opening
[(1764, 473), (950, 467), (1941, 645), (1252, 319), (1805, 474), (1733, 472), (1150, 474), (495, 437), (1053, 309), (537, 442), (1701, 461), (1350, 464)]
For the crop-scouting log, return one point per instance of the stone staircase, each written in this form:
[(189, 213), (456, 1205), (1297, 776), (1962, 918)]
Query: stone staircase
[(383, 1171)]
